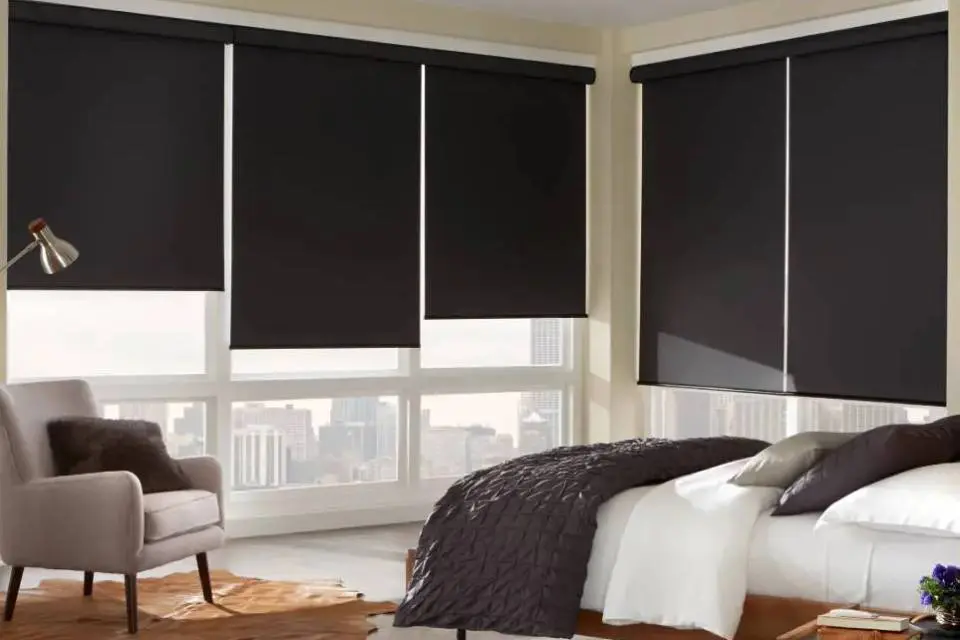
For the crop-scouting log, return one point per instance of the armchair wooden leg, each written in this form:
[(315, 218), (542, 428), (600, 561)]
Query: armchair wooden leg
[(13, 589), (87, 583), (130, 586), (204, 570)]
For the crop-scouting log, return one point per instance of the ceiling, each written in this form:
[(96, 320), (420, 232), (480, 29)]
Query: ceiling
[(596, 13)]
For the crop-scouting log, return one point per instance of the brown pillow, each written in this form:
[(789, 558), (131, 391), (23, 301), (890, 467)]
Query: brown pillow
[(91, 445), (869, 457)]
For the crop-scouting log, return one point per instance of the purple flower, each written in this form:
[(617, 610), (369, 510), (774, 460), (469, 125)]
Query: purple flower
[(951, 574), (926, 599), (939, 571)]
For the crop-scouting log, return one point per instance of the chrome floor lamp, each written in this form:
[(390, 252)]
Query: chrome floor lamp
[(55, 254)]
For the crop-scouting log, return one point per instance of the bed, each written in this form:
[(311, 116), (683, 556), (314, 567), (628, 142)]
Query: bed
[(793, 573), (701, 554)]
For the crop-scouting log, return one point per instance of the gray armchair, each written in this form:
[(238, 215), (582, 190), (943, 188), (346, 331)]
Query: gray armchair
[(98, 522)]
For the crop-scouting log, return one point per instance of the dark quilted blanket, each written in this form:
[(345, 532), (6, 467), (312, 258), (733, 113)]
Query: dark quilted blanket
[(506, 549)]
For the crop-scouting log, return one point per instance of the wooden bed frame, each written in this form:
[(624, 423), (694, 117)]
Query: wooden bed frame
[(764, 618)]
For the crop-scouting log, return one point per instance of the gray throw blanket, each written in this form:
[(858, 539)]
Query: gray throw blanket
[(506, 549)]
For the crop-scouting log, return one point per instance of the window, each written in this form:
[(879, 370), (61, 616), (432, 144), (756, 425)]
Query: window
[(55, 334), (302, 428), (539, 342), (322, 442), (692, 413), (297, 363), (461, 433), (184, 424)]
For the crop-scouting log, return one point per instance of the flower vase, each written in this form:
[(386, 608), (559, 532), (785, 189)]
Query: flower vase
[(948, 618)]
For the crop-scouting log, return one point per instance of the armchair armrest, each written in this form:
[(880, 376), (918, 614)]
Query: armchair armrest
[(86, 522), (205, 473)]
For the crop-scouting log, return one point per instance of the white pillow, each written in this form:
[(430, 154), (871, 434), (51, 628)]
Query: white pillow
[(924, 501)]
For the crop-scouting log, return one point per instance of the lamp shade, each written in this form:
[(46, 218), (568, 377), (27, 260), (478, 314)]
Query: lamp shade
[(55, 254)]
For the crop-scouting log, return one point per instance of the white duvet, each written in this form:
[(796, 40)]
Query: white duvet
[(683, 556)]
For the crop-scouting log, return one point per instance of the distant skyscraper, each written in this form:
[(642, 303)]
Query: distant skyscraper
[(546, 349), (369, 427), (546, 342), (150, 411), (259, 457), (188, 432), (536, 434), (296, 425), (685, 414), (354, 411), (860, 416), (763, 417), (444, 452)]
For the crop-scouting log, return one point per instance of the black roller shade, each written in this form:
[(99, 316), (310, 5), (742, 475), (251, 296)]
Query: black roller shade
[(326, 201), (117, 140), (505, 196), (66, 15), (419, 55), (712, 229), (842, 39), (868, 222)]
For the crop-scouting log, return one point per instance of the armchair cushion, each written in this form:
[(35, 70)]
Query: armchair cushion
[(92, 445), (174, 513)]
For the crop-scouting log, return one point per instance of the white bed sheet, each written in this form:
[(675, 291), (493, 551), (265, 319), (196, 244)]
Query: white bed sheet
[(789, 560), (611, 522), (843, 564)]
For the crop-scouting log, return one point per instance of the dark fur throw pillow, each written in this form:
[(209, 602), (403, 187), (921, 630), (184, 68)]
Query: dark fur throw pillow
[(91, 445)]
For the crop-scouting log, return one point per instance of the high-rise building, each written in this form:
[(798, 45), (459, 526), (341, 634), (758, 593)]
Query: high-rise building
[(368, 437), (260, 457), (354, 410), (188, 432), (685, 414), (546, 349), (149, 411), (443, 452), (481, 448), (295, 424), (535, 434), (546, 342), (763, 417)]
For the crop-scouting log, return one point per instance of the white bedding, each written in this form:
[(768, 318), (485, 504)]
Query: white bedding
[(611, 523), (843, 565), (691, 573), (788, 560)]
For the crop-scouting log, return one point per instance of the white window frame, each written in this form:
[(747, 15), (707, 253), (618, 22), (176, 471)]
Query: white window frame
[(300, 507)]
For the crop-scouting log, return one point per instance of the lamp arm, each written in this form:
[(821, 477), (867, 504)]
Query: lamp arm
[(15, 259)]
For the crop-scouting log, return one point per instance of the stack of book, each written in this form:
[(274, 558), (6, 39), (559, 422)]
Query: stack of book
[(852, 624)]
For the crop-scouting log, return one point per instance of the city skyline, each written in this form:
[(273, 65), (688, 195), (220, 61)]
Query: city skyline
[(691, 413), (329, 441)]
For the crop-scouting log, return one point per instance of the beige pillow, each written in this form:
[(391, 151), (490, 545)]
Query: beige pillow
[(780, 464)]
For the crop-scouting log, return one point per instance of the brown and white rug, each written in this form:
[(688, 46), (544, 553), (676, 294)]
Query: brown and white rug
[(172, 607)]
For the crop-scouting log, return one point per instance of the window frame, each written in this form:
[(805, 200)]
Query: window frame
[(218, 389)]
